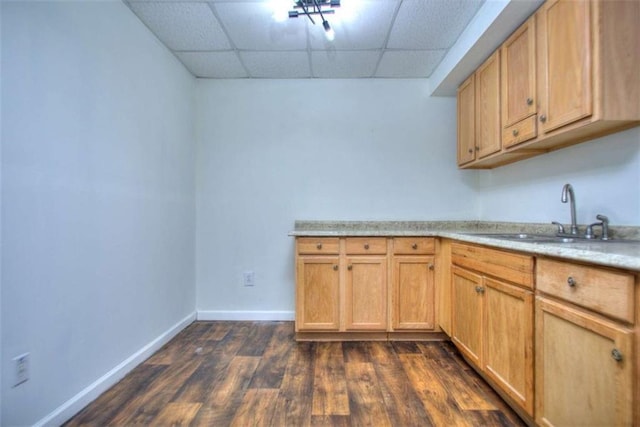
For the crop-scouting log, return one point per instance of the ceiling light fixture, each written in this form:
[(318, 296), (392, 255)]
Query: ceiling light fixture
[(315, 7)]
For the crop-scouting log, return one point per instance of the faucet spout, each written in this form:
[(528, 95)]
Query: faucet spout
[(569, 196)]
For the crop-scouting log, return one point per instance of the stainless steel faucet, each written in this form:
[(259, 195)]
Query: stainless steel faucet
[(569, 195)]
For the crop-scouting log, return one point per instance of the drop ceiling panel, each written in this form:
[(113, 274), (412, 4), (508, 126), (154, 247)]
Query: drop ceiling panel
[(217, 65), (287, 65), (358, 25), (344, 64), (431, 24), (250, 26), (409, 63), (182, 26)]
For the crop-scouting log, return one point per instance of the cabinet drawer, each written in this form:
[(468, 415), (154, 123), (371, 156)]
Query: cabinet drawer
[(414, 245), (514, 268), (608, 292), (318, 245), (520, 132), (366, 245)]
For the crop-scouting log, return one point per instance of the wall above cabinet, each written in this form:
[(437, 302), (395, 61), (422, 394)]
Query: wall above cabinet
[(567, 75)]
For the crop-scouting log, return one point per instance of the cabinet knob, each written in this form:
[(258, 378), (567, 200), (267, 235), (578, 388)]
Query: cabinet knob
[(319, 246), (617, 356), (350, 267), (571, 281), (479, 289), (335, 268), (430, 266), (366, 246), (515, 132), (414, 246), (470, 150), (477, 148), (529, 101), (543, 118)]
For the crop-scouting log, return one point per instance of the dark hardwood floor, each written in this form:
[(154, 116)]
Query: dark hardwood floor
[(255, 374)]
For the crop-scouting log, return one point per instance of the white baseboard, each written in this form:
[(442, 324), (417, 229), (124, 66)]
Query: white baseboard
[(72, 406), (245, 315)]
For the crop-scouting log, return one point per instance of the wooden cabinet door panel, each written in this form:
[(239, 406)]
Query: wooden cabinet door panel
[(318, 294), (565, 68), (467, 313), (578, 379), (488, 127), (366, 293), (413, 293), (508, 339), (466, 121)]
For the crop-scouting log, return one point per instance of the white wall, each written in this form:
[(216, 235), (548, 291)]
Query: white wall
[(605, 174), (273, 151), (98, 209)]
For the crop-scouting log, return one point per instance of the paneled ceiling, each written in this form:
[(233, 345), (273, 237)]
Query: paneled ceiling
[(242, 39)]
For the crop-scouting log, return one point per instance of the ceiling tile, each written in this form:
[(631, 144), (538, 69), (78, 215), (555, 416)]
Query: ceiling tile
[(222, 65), (344, 64), (433, 24), (182, 26), (284, 65), (409, 63), (357, 25), (251, 26)]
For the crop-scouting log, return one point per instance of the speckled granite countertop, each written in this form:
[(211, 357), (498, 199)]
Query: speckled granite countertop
[(615, 253)]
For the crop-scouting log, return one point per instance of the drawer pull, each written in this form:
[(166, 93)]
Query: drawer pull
[(543, 118), (414, 246), (515, 132), (350, 267), (617, 356), (571, 281), (319, 246), (335, 268), (479, 289), (529, 101), (366, 246), (430, 266)]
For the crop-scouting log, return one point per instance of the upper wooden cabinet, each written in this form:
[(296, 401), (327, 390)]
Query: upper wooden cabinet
[(568, 74), (479, 124)]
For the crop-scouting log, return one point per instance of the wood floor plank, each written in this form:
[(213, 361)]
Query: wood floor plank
[(291, 408), (330, 386), (274, 360), (220, 406), (437, 401), (177, 413), (405, 347), (404, 407), (355, 352), (366, 404), (259, 337), (331, 421), (256, 408)]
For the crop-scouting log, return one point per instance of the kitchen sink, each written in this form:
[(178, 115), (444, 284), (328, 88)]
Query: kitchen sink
[(547, 238)]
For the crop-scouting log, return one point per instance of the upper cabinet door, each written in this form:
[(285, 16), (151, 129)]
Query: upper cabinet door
[(519, 74), (466, 121), (565, 63), (488, 130)]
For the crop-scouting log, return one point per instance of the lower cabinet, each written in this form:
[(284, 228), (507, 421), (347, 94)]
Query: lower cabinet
[(492, 320), (366, 293)]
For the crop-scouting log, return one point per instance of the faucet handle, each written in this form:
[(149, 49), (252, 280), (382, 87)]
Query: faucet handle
[(588, 232), (560, 227), (605, 226)]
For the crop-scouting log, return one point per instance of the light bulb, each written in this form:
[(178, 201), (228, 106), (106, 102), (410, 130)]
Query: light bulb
[(280, 9), (328, 31)]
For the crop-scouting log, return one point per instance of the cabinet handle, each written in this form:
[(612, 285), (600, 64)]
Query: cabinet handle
[(617, 356), (335, 268), (479, 289), (414, 246), (430, 266), (515, 132), (366, 246), (319, 246), (543, 118), (350, 267), (529, 101), (571, 281)]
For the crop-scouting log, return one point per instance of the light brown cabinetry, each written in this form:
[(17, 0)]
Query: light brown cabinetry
[(569, 74), (584, 359), (413, 284), (366, 293), (479, 112), (492, 293)]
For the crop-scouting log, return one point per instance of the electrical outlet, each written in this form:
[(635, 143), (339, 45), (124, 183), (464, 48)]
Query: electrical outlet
[(249, 278), (21, 369)]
